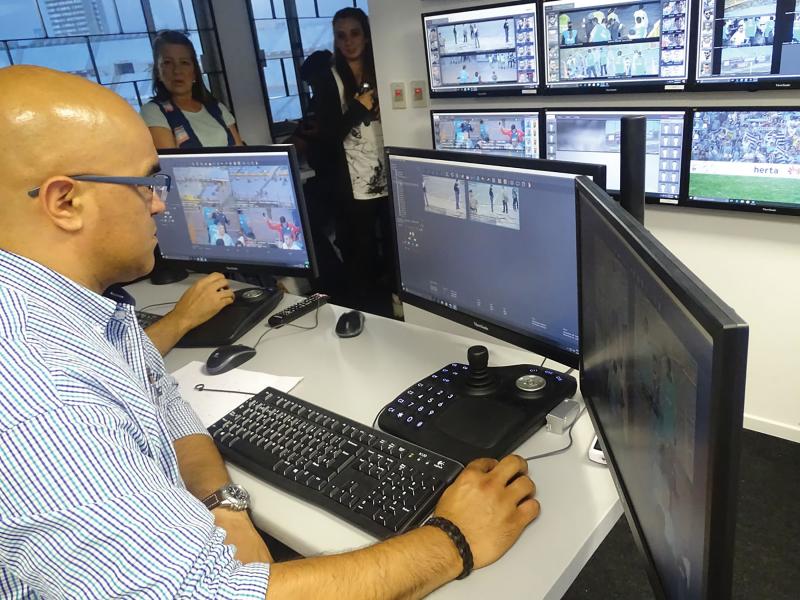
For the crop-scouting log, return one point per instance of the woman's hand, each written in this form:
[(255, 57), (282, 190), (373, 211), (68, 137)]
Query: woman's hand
[(367, 99)]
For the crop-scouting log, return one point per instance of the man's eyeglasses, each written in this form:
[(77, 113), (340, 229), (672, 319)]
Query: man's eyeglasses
[(157, 184)]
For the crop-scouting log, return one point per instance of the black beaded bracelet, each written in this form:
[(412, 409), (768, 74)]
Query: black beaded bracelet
[(454, 533)]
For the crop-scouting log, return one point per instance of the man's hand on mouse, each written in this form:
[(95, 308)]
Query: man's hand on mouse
[(203, 300), (491, 503)]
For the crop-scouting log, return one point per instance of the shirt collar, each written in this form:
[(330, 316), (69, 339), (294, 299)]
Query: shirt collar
[(66, 296)]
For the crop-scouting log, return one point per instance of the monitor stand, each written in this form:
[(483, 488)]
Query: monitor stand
[(473, 410), (165, 272)]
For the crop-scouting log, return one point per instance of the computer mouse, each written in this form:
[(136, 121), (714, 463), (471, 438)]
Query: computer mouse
[(225, 358), (350, 324)]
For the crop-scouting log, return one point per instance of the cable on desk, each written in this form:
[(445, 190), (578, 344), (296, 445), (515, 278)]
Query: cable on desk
[(560, 450), (314, 326), (154, 305), (544, 360)]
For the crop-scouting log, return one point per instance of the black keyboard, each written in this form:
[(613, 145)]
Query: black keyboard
[(146, 319), (369, 478)]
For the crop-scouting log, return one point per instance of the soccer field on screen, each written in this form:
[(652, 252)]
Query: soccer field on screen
[(766, 189)]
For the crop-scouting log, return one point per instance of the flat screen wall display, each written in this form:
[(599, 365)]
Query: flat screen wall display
[(483, 51), (746, 159), (602, 46), (748, 44)]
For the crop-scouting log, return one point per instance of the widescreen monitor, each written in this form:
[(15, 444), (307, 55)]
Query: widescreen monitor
[(489, 242), (748, 45), (662, 372), (501, 132), (603, 46), (236, 209), (483, 51), (593, 136), (746, 159)]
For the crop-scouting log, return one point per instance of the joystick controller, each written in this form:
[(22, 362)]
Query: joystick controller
[(479, 379)]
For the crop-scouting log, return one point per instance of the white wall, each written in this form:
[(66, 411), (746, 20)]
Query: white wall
[(751, 262)]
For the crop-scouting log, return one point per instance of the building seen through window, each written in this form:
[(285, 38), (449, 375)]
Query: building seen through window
[(106, 41)]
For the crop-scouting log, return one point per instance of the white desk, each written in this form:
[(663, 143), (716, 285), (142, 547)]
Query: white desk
[(357, 377)]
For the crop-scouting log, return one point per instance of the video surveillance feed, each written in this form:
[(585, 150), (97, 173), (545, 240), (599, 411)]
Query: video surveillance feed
[(482, 49), (232, 207), (594, 137), (616, 44), (500, 133), (749, 158), (743, 42)]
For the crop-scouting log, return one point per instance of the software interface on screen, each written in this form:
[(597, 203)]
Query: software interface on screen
[(232, 208), (743, 41), (475, 50), (647, 367), (502, 133), (594, 137), (592, 43), (746, 158), (466, 232)]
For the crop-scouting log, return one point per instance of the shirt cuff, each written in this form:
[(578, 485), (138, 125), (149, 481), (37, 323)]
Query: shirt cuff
[(249, 581)]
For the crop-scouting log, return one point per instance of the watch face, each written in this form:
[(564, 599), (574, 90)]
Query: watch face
[(236, 496)]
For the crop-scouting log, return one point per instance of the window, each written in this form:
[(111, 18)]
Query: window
[(106, 41), (288, 31)]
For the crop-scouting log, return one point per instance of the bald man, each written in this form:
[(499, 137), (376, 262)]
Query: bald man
[(105, 472)]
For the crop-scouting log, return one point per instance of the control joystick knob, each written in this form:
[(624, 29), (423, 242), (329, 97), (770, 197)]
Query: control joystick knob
[(478, 375)]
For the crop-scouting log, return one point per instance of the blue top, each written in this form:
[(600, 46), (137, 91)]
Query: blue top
[(92, 504)]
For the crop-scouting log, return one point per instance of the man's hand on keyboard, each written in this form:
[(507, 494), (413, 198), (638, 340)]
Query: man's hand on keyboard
[(203, 300), (491, 502), (198, 304)]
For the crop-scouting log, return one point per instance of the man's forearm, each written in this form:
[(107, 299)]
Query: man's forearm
[(203, 472), (166, 332), (406, 567), (201, 465)]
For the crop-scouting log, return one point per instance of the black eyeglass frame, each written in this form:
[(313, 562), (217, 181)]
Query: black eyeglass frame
[(159, 180)]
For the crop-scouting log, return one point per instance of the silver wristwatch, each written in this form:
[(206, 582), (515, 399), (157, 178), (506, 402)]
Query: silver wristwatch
[(232, 496)]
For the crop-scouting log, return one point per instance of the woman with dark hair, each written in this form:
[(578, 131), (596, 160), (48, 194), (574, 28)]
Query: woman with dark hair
[(183, 113), (345, 148)]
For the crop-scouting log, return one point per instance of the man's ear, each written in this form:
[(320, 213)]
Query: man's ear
[(61, 204)]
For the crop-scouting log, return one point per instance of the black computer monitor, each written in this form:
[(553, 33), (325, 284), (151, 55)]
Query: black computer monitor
[(482, 51), (489, 242), (748, 45), (662, 372), (745, 159), (500, 132), (615, 46), (593, 136), (236, 209)]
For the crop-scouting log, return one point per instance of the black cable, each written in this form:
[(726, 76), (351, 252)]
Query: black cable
[(560, 450), (314, 326), (154, 305), (544, 360)]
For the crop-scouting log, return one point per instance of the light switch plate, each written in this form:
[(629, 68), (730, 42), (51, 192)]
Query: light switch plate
[(419, 99), (398, 94)]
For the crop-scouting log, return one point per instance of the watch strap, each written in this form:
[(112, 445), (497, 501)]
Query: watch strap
[(214, 500)]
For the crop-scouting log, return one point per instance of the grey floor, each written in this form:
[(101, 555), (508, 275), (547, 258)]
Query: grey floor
[(767, 546)]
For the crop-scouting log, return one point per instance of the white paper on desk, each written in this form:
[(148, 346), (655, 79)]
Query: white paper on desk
[(212, 406)]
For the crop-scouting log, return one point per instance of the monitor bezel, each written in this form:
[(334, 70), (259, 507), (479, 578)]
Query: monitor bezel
[(685, 201), (311, 271), (476, 322), (650, 197), (633, 87), (539, 112), (508, 90), (727, 86), (729, 334)]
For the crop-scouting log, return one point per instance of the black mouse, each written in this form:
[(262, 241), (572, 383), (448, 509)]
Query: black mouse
[(350, 324), (225, 358)]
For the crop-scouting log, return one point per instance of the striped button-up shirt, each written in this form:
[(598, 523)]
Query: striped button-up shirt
[(92, 504)]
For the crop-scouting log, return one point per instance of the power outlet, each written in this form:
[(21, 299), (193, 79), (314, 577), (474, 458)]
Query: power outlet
[(398, 95), (419, 98)]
